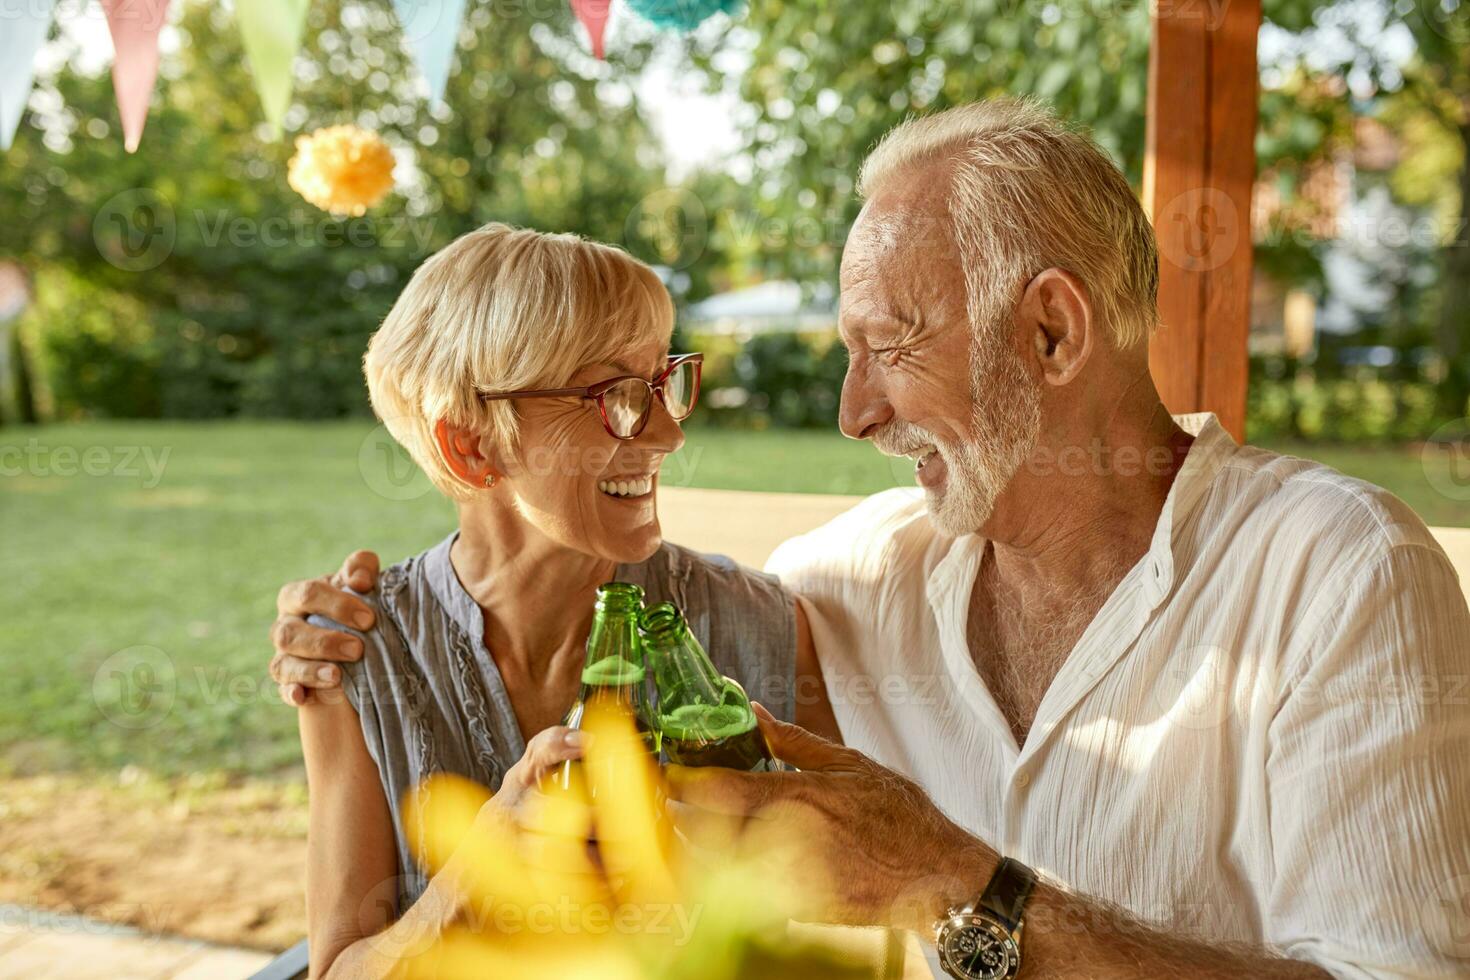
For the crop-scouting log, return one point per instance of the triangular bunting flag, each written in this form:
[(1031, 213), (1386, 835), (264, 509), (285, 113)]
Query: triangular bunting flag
[(593, 15), (431, 28), (135, 25), (272, 33), (25, 25)]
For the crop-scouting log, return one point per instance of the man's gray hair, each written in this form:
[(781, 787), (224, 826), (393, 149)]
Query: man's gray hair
[(1028, 193)]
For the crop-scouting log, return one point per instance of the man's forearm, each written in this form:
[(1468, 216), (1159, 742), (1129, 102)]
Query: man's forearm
[(1070, 935), (1075, 936)]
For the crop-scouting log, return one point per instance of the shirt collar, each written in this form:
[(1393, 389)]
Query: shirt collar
[(1212, 448), (1116, 625)]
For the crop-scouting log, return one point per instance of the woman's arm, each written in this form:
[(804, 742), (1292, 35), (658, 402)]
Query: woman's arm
[(351, 856), (813, 709)]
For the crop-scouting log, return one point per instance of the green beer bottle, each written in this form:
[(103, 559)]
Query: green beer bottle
[(614, 669), (704, 719)]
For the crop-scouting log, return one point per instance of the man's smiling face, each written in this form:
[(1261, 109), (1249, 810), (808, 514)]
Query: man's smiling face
[(920, 381)]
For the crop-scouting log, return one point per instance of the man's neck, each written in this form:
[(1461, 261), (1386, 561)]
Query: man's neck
[(1086, 502)]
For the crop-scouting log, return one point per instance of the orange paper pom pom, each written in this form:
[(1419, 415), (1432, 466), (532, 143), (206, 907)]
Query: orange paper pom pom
[(342, 169)]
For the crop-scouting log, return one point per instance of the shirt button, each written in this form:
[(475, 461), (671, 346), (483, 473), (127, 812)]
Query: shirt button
[(1022, 780)]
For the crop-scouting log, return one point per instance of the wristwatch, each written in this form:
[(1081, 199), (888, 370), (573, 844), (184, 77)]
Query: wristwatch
[(982, 940)]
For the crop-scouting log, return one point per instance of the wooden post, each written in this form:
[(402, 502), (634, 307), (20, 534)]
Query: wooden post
[(1199, 167)]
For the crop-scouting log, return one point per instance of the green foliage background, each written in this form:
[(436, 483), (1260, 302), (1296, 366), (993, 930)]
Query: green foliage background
[(264, 305)]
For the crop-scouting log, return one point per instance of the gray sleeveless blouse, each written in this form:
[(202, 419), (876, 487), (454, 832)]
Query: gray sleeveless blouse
[(431, 700)]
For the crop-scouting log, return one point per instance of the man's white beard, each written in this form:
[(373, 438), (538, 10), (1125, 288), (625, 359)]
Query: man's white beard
[(1005, 425), (1004, 428)]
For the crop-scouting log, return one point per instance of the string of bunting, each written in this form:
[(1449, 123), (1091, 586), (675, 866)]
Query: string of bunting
[(272, 32)]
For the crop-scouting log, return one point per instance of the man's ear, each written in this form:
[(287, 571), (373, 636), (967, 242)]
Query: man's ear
[(1057, 312), (462, 450)]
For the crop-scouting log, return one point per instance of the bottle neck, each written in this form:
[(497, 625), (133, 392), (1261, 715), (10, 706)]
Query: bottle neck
[(614, 649), (684, 671)]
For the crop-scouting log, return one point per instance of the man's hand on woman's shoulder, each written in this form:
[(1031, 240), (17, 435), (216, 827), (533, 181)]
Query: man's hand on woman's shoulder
[(305, 655)]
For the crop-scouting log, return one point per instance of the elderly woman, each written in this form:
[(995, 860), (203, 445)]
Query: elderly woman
[(529, 375)]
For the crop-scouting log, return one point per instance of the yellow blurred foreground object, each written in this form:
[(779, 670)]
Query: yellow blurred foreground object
[(591, 881)]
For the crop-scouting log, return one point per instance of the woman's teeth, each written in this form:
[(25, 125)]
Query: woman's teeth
[(635, 487)]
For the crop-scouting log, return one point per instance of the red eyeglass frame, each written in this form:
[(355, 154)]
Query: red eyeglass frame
[(601, 388)]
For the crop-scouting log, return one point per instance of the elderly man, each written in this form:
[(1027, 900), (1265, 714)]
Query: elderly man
[(1120, 697)]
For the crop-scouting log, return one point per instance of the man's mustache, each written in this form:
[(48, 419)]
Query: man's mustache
[(901, 438)]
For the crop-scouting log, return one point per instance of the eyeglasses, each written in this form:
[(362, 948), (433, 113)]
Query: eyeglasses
[(626, 402)]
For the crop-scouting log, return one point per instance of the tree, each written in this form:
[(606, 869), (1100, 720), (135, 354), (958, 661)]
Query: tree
[(1438, 82), (825, 82), (210, 283)]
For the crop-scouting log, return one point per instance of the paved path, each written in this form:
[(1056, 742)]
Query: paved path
[(1456, 543), (745, 526), (36, 943)]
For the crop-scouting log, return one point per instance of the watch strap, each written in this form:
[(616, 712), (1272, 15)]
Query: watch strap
[(1006, 894)]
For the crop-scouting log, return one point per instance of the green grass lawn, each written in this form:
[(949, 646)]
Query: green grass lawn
[(152, 552)]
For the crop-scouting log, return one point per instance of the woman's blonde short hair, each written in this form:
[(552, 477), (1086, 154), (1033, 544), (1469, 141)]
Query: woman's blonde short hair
[(503, 308), (1028, 194)]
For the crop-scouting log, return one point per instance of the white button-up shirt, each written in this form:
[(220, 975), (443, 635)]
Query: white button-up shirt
[(1263, 736)]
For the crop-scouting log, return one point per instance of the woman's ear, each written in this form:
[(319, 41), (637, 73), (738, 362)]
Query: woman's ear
[(1057, 311), (462, 450)]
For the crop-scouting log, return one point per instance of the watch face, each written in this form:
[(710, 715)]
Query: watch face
[(974, 948)]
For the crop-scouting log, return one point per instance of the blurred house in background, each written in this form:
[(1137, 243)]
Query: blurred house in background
[(1365, 240), (777, 306)]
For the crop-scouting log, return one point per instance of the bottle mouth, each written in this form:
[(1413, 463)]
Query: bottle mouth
[(660, 619), (619, 597)]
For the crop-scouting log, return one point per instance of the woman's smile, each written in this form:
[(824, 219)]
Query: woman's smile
[(637, 487)]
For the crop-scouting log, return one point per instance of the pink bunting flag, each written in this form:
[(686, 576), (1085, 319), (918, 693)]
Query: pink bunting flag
[(593, 15), (135, 25)]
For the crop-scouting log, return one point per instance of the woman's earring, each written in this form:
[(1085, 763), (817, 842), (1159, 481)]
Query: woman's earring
[(490, 480)]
